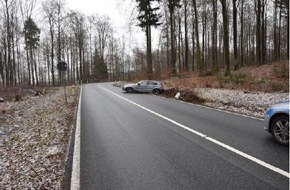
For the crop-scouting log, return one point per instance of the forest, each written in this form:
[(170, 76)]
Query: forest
[(193, 36)]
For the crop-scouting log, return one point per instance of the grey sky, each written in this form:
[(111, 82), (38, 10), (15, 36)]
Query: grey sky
[(119, 12)]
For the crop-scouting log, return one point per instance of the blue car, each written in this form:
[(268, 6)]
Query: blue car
[(277, 122)]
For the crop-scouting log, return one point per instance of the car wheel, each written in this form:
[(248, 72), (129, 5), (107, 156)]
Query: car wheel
[(280, 129), (130, 90), (156, 91)]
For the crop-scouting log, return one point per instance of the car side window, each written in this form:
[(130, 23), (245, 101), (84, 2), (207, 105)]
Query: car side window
[(152, 83), (143, 83)]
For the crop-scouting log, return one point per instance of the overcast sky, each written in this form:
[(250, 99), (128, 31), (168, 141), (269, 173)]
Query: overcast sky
[(101, 7), (119, 12)]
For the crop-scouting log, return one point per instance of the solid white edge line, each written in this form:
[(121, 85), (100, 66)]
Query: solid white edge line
[(236, 151), (75, 177)]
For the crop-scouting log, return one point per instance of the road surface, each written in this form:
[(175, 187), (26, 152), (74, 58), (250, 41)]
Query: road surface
[(142, 141)]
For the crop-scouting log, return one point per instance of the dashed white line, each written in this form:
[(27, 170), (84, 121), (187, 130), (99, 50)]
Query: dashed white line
[(236, 151)]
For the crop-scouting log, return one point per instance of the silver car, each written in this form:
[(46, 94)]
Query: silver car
[(144, 86), (277, 122)]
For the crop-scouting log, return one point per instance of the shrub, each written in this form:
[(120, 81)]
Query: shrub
[(281, 71), (277, 86), (237, 79)]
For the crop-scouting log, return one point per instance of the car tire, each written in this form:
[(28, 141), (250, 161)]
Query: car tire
[(156, 91), (129, 90), (280, 129)]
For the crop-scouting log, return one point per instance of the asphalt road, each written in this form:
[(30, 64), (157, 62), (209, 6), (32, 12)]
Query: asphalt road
[(142, 141)]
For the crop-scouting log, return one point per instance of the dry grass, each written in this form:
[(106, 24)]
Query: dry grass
[(272, 77)]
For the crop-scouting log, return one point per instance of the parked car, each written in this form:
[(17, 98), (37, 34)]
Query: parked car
[(277, 122), (144, 86)]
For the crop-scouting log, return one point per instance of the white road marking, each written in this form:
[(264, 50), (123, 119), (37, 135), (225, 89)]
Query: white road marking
[(236, 151), (75, 177)]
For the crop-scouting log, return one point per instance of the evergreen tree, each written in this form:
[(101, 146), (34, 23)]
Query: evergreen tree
[(32, 33), (100, 70), (148, 16), (32, 36)]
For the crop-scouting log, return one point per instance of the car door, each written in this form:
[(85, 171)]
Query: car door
[(143, 86), (151, 86)]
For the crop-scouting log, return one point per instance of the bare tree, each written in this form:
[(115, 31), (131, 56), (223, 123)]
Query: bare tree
[(235, 34), (49, 14), (214, 35), (9, 70), (172, 5), (186, 48), (242, 34), (198, 50)]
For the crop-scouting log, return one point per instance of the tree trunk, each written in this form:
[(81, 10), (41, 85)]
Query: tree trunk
[(198, 51), (52, 52), (2, 69), (214, 36), (36, 69), (186, 49), (235, 34), (258, 31), (32, 65), (48, 64), (263, 33), (242, 34), (172, 40), (13, 71), (9, 74), (181, 66), (58, 32), (28, 64), (203, 39), (167, 44), (275, 41), (226, 37), (193, 46), (149, 54)]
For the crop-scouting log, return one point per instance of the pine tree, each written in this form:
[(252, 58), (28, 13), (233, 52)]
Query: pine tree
[(100, 70), (32, 37), (148, 17)]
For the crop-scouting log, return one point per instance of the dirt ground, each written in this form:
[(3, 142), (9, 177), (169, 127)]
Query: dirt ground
[(34, 138), (20, 93)]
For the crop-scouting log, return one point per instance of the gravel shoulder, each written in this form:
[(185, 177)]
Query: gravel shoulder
[(253, 104)]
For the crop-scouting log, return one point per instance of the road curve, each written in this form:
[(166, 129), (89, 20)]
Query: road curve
[(141, 141)]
